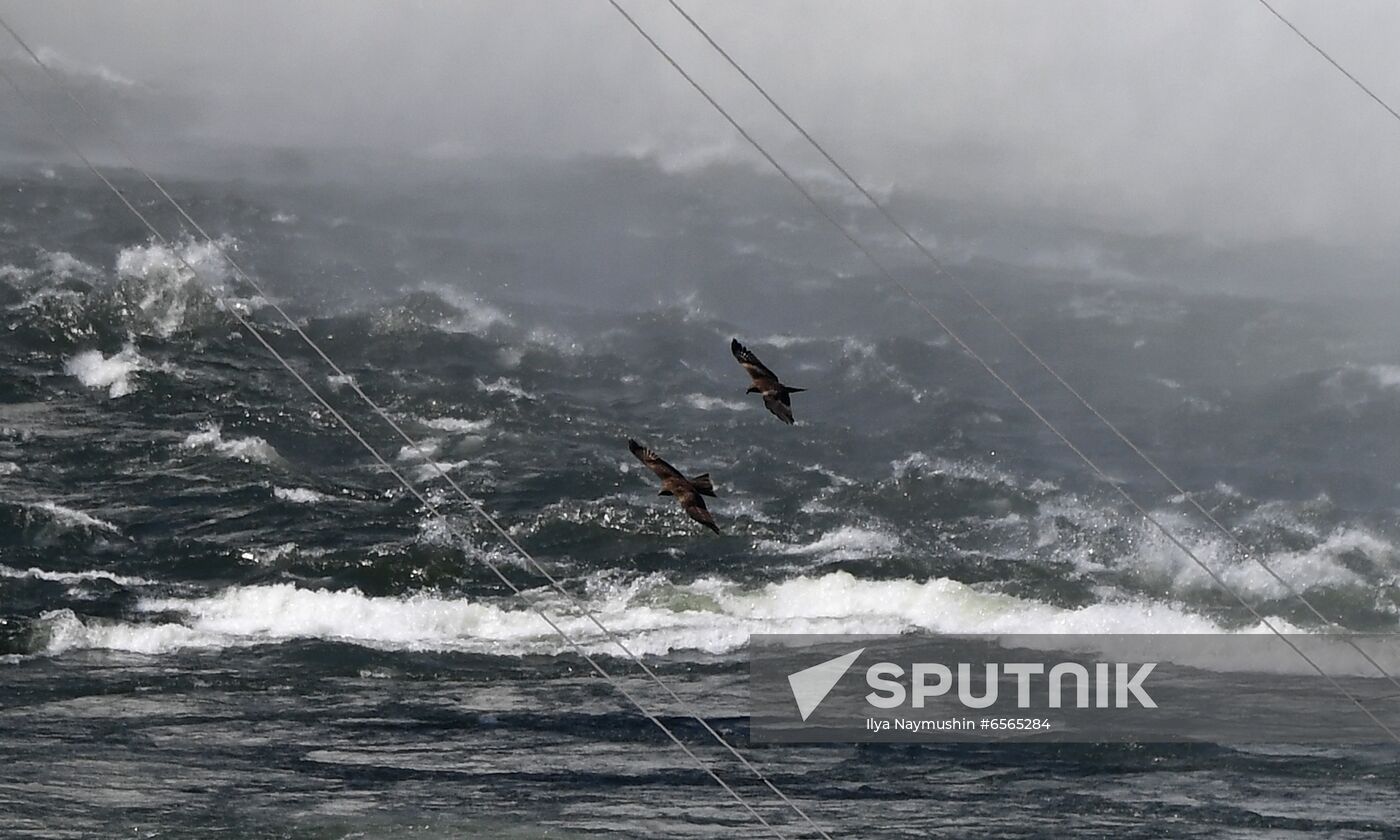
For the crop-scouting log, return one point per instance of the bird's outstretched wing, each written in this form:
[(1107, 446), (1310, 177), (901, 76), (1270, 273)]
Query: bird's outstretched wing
[(763, 378), (695, 507), (780, 405), (654, 462)]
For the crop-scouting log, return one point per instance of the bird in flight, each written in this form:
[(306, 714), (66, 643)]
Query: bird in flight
[(688, 491), (765, 382)]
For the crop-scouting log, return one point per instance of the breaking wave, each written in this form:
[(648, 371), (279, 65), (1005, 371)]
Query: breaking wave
[(849, 542), (114, 372), (70, 518), (149, 292), (251, 449), (74, 577), (711, 615), (1334, 562), (158, 282)]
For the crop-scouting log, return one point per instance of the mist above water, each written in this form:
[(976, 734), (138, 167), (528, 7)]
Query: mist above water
[(1219, 146)]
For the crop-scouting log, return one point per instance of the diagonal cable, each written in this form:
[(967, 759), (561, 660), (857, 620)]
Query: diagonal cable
[(475, 505), (380, 459), (941, 269), (1330, 60), (966, 348)]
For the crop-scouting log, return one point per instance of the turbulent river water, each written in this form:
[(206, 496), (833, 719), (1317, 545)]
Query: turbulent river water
[(219, 617)]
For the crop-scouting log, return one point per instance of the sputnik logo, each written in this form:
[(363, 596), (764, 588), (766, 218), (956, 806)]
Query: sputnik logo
[(811, 685)]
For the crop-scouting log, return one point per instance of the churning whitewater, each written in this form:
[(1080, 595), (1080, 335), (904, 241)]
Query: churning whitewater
[(186, 537)]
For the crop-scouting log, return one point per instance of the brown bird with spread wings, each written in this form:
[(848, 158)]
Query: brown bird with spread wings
[(765, 382), (688, 491)]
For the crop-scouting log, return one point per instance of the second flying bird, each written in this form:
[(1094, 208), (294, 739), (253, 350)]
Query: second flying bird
[(765, 382)]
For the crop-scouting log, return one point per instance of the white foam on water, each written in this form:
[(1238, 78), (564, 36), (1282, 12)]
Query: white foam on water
[(267, 555), (433, 469), (456, 425), (425, 448), (12, 273), (1155, 562), (166, 279), (300, 495), (1322, 566), (477, 317), (113, 373), (425, 457), (59, 631), (784, 341), (916, 463), (504, 386), (251, 449), (655, 616), (836, 479), (74, 577), (707, 403), (70, 518), (9, 468), (158, 260), (849, 542), (474, 315), (65, 266)]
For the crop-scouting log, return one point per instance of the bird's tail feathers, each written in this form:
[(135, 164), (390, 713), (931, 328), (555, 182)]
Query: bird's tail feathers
[(703, 485), (792, 390)]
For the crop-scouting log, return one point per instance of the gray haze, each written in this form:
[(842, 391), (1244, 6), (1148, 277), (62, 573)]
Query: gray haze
[(1203, 119)]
